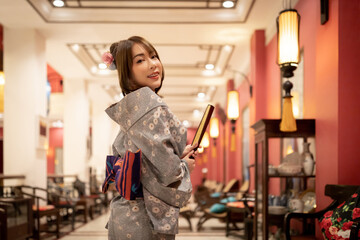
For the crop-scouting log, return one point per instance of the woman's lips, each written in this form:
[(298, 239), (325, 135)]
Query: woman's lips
[(154, 75)]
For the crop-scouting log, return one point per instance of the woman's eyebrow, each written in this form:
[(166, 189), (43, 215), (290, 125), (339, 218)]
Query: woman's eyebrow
[(138, 55)]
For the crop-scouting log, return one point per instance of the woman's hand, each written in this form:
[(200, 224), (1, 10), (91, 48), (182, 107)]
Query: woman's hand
[(188, 149), (190, 161), (189, 156)]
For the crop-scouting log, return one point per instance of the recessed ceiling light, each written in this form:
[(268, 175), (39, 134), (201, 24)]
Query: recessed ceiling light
[(75, 47), (227, 48), (196, 113), (102, 66), (186, 123), (201, 95), (58, 3), (228, 4), (209, 66)]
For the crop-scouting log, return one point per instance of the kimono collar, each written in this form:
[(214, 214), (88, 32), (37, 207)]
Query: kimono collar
[(133, 106)]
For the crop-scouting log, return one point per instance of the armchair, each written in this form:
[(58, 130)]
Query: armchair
[(341, 194), (41, 210)]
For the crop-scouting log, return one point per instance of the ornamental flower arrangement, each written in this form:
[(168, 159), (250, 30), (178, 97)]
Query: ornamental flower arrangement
[(336, 224)]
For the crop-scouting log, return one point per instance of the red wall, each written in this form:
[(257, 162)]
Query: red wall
[(55, 140), (55, 80), (331, 92)]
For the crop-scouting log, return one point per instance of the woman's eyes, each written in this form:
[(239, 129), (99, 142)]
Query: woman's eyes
[(152, 57)]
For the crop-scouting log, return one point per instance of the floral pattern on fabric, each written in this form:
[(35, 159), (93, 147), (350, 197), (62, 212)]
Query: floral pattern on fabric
[(336, 224), (154, 129)]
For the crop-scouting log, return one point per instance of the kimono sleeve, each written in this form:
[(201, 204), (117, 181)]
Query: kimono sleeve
[(162, 139)]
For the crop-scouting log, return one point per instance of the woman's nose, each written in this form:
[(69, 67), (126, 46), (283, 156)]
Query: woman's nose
[(152, 63)]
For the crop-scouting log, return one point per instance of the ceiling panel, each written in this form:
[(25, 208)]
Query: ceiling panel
[(165, 11)]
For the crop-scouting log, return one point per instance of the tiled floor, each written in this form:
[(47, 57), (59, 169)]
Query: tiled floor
[(94, 230)]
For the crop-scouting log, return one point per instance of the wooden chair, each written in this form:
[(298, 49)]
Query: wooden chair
[(84, 204), (63, 201), (3, 224), (207, 214), (187, 213), (205, 198), (16, 218), (339, 194), (40, 211)]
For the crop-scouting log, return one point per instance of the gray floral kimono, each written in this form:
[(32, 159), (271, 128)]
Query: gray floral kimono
[(146, 123)]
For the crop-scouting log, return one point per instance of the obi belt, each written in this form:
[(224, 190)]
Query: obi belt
[(125, 173)]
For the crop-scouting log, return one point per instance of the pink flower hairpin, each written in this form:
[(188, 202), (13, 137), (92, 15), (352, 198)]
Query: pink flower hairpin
[(108, 59)]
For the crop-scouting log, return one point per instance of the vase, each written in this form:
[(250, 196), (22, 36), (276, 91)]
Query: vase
[(307, 160)]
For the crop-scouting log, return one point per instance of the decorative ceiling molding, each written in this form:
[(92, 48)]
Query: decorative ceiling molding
[(144, 12), (187, 60), (146, 4)]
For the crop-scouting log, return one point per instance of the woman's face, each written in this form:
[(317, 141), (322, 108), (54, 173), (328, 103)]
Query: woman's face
[(146, 68)]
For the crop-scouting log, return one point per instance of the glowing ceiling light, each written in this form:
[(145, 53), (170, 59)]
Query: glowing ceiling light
[(209, 66), (186, 123), (201, 95), (102, 66), (75, 47), (228, 4), (196, 113), (58, 3)]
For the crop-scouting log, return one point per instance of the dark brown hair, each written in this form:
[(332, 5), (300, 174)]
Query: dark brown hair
[(122, 53)]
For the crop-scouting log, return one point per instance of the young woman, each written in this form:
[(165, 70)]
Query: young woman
[(147, 123)]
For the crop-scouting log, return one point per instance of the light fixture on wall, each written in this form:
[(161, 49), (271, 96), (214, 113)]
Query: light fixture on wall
[(214, 128), (288, 57), (201, 149), (205, 142), (233, 115), (214, 133), (2, 84), (288, 54)]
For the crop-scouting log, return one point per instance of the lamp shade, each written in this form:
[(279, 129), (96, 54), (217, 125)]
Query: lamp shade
[(233, 105), (201, 149), (2, 83), (205, 142), (288, 55), (214, 127)]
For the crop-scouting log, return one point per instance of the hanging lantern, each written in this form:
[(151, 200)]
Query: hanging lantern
[(233, 105), (205, 141), (2, 84), (233, 115), (288, 55), (214, 134), (214, 127), (201, 149)]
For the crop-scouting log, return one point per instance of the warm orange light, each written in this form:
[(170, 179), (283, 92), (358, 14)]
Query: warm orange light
[(289, 150), (2, 78), (295, 104), (233, 105), (214, 127), (201, 149), (205, 141), (288, 24), (2, 84)]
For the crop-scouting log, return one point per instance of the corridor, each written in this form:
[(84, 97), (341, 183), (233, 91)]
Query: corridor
[(94, 230)]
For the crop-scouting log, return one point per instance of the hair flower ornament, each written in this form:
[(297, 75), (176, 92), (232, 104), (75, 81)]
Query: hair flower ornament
[(108, 59)]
